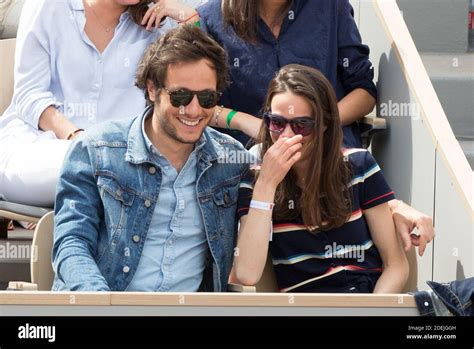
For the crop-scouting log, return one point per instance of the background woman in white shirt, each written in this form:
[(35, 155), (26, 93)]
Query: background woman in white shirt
[(75, 65)]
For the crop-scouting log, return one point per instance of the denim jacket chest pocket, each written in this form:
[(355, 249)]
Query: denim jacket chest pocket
[(117, 201), (225, 198)]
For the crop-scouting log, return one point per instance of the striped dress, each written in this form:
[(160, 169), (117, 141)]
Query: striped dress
[(341, 260)]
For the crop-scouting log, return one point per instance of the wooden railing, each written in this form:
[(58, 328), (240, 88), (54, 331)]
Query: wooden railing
[(420, 156), (123, 303)]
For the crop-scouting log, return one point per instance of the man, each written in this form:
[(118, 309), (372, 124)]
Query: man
[(148, 204)]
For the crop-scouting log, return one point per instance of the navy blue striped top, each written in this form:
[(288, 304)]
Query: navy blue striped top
[(343, 259)]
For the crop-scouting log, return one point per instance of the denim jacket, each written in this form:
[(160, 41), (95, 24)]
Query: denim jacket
[(106, 196), (453, 298)]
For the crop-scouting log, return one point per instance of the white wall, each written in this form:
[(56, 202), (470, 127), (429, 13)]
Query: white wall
[(410, 152)]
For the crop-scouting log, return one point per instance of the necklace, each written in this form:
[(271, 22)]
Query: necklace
[(107, 29)]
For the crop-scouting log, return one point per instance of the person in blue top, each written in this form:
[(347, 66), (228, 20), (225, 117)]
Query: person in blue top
[(263, 36), (325, 206), (75, 67)]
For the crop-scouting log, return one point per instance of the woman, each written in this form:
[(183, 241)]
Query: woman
[(332, 230), (75, 67), (263, 36)]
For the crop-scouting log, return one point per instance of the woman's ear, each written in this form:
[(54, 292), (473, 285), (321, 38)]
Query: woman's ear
[(151, 89)]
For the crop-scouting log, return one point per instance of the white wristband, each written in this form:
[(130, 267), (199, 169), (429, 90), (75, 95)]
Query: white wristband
[(267, 206)]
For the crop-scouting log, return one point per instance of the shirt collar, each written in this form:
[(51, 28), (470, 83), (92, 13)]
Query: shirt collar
[(78, 5)]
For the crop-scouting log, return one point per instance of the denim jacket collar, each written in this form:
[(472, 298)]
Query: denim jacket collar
[(138, 151)]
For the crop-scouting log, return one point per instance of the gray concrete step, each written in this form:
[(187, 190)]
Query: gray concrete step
[(467, 146), (452, 76), (437, 25)]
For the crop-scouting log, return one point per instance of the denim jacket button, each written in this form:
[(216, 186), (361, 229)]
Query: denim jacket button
[(136, 238), (152, 170), (147, 203), (226, 198), (126, 269)]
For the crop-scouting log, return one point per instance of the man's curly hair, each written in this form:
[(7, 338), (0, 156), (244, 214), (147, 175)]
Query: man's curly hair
[(185, 44)]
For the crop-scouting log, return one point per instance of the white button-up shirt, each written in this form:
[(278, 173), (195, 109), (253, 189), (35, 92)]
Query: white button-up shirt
[(56, 64)]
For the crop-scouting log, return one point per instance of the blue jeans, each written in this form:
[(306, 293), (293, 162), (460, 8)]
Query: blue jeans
[(455, 297)]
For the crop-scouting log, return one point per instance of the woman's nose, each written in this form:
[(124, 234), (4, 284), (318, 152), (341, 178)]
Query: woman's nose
[(287, 132)]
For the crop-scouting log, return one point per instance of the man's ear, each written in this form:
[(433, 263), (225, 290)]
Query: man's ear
[(150, 86)]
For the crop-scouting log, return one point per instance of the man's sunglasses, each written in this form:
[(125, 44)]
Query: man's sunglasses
[(182, 97), (302, 125)]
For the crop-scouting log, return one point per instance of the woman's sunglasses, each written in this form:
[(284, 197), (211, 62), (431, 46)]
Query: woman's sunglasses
[(302, 125), (182, 97)]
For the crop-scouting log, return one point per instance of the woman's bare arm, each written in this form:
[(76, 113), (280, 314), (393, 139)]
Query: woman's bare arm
[(395, 265)]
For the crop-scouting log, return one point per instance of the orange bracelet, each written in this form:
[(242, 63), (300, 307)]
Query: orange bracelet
[(73, 133), (186, 20)]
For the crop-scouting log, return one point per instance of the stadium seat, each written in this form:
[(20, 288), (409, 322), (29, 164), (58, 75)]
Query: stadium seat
[(42, 273)]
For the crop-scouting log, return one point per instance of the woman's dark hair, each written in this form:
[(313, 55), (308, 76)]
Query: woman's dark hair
[(138, 11), (325, 201), (184, 44), (242, 16)]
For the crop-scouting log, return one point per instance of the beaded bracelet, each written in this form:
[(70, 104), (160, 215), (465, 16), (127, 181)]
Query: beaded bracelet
[(217, 114)]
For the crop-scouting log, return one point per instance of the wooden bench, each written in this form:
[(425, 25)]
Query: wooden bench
[(204, 304)]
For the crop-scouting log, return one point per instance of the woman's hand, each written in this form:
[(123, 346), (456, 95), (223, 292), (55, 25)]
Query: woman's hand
[(279, 158), (166, 8)]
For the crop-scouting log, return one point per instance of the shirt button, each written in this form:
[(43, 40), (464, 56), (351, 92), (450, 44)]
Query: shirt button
[(147, 203), (136, 238), (152, 170), (126, 269)]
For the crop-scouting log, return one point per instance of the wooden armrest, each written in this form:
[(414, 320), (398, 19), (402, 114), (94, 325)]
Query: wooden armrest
[(22, 286), (241, 288), (374, 123)]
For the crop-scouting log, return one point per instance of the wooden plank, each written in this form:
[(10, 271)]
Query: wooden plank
[(207, 299), (264, 300), (54, 298)]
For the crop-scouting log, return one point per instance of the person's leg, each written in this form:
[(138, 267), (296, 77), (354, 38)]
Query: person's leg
[(31, 171)]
